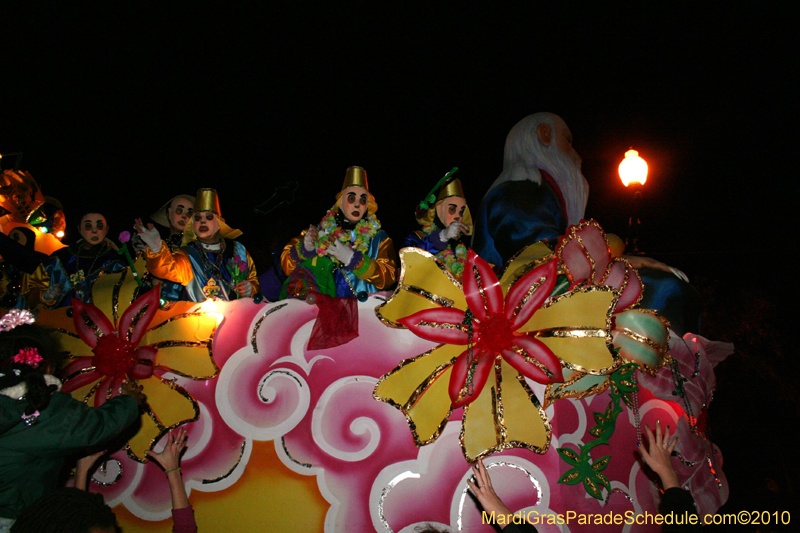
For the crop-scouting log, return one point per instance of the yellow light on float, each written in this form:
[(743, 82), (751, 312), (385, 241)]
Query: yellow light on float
[(210, 309), (60, 234), (633, 169)]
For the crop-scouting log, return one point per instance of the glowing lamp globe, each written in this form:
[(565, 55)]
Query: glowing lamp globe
[(633, 169)]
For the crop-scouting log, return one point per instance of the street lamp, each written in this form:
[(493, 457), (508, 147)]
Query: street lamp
[(633, 173)]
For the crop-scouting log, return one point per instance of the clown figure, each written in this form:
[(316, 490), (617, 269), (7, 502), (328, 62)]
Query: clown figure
[(74, 269), (348, 254), (445, 225), (210, 264), (173, 217)]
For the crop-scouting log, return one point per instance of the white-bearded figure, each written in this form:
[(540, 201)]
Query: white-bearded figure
[(540, 192)]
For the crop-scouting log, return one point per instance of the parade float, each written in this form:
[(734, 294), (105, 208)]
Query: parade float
[(548, 375)]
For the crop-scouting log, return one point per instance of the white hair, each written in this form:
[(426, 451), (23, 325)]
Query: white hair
[(525, 154)]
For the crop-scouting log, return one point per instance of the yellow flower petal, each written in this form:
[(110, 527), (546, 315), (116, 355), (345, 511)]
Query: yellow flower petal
[(576, 326), (187, 359), (168, 407), (71, 343), (523, 418), (522, 263), (504, 416), (419, 388), (194, 327), (106, 293), (424, 283), (479, 431)]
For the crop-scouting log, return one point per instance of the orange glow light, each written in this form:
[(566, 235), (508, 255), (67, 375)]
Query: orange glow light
[(633, 169)]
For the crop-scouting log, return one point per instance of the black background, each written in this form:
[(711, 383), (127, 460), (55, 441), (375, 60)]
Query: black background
[(118, 107)]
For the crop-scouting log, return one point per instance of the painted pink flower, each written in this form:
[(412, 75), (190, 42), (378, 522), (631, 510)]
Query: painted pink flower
[(489, 328)]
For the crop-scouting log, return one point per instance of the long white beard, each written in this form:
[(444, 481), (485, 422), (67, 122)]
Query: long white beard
[(567, 173)]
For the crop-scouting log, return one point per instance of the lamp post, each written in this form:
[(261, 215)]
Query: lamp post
[(633, 173)]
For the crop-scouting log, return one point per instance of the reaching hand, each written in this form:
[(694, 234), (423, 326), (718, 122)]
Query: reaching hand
[(310, 239), (83, 467), (658, 455), (148, 234), (130, 388), (170, 457), (341, 251), (483, 490)]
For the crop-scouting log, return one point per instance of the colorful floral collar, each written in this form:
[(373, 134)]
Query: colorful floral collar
[(453, 260), (358, 239)]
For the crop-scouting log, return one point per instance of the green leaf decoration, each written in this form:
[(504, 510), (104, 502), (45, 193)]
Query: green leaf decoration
[(623, 385), (592, 489), (569, 456), (571, 477), (601, 464)]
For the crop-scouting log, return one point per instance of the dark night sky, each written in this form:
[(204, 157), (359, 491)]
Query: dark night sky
[(119, 108)]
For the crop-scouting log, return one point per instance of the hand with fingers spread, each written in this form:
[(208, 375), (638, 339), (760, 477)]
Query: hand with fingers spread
[(484, 492), (657, 455), (148, 234)]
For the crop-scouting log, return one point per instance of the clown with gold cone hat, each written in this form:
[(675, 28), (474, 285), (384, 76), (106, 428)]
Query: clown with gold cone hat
[(347, 254), (446, 222), (210, 264)]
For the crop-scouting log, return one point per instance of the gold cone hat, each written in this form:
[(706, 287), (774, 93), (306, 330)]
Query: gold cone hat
[(207, 200), (355, 177), (451, 188)]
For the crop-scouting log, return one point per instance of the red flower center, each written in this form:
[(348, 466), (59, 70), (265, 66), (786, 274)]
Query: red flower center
[(495, 333), (114, 356)]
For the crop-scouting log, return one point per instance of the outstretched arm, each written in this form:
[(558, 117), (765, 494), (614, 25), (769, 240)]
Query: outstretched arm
[(83, 468), (169, 459), (483, 490)]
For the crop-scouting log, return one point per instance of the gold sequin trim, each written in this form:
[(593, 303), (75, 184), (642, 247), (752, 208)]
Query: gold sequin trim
[(434, 298), (148, 411), (253, 342), (229, 472), (415, 396)]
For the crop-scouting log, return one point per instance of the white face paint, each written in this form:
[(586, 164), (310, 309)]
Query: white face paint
[(206, 227), (180, 211), (451, 210), (93, 228), (354, 203)]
